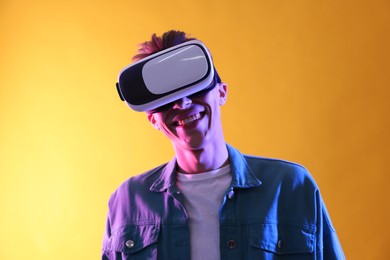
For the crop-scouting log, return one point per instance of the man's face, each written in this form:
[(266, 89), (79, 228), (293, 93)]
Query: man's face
[(194, 122)]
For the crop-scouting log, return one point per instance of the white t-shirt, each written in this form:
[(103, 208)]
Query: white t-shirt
[(203, 194)]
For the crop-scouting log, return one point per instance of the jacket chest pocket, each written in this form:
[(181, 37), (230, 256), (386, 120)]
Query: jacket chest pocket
[(273, 241), (135, 242)]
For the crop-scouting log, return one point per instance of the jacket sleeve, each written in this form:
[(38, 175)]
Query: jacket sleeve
[(107, 251), (328, 244), (106, 240)]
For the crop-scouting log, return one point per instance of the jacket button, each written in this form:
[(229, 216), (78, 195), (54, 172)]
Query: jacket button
[(231, 244), (280, 244), (231, 194), (130, 243)]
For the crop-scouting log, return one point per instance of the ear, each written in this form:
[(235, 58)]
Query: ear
[(153, 121), (222, 90)]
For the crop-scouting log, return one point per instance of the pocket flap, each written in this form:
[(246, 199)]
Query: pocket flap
[(131, 239), (283, 239)]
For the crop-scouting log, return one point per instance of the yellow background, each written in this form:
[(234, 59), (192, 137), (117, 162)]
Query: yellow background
[(309, 82)]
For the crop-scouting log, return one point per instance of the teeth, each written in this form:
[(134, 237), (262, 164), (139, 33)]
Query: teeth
[(188, 119)]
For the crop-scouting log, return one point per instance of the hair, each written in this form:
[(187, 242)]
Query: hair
[(158, 43)]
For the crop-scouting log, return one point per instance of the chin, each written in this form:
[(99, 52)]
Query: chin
[(193, 144)]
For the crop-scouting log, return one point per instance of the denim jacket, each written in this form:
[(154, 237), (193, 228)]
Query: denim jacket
[(273, 210)]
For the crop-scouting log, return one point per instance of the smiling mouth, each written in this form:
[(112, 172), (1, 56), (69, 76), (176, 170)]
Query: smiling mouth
[(188, 120)]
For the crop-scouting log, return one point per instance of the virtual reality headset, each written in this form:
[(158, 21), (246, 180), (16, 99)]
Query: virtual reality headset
[(180, 71)]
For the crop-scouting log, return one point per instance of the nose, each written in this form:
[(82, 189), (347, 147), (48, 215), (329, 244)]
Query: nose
[(182, 103)]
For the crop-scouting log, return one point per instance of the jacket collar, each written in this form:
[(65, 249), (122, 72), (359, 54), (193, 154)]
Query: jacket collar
[(167, 178), (242, 174)]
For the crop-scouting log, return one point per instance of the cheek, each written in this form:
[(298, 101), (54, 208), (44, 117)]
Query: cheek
[(158, 120), (165, 129)]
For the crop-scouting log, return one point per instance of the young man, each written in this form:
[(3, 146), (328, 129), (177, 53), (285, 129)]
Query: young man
[(210, 201)]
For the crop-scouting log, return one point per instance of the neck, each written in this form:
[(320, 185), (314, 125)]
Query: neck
[(203, 159)]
